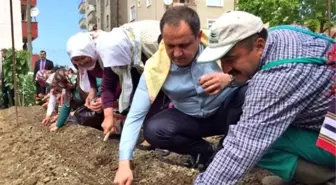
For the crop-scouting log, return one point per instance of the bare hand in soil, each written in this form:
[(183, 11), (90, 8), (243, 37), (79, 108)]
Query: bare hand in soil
[(53, 127), (124, 175), (214, 83), (54, 119), (107, 136), (45, 121), (108, 125)]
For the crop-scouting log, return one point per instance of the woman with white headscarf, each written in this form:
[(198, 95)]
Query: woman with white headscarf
[(124, 52), (82, 51)]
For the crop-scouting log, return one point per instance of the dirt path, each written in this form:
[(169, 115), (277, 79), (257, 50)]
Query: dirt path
[(31, 155)]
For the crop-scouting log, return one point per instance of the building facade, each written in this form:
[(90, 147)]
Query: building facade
[(88, 9), (19, 23), (208, 10), (106, 14), (5, 25)]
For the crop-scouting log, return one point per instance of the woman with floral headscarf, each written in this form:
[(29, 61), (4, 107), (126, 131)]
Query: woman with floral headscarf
[(74, 97)]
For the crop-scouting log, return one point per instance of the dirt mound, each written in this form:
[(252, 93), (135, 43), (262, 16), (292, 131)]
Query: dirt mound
[(31, 155)]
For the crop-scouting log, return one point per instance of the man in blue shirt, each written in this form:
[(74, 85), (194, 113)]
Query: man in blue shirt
[(204, 105)]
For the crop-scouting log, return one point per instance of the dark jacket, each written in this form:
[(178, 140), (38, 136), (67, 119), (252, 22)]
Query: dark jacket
[(48, 66)]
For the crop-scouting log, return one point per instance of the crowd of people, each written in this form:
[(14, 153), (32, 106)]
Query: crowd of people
[(265, 91)]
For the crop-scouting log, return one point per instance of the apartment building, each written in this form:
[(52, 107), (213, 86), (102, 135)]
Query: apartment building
[(208, 10), (88, 9), (106, 14), (5, 24), (19, 23)]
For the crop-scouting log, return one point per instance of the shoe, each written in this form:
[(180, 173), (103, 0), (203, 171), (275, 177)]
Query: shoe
[(273, 180), (201, 161), (145, 147), (4, 107), (331, 182), (310, 173)]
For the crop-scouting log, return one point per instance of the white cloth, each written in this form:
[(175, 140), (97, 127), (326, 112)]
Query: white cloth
[(124, 73), (84, 82), (1, 60), (50, 78), (51, 104), (146, 32), (114, 48), (121, 50), (82, 44)]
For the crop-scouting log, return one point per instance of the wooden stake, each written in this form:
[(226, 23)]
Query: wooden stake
[(14, 60)]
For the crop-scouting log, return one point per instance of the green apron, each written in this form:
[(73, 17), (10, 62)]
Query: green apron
[(282, 158)]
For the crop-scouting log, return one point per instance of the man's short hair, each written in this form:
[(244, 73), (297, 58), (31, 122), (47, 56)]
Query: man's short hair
[(248, 43), (173, 16), (42, 51)]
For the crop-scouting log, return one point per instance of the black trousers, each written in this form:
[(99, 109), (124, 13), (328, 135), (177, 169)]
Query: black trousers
[(175, 131), (5, 92), (39, 89)]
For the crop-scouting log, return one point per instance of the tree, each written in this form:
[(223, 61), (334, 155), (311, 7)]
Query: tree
[(24, 80), (312, 13)]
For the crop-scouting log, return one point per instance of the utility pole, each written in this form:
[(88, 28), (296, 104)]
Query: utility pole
[(29, 33), (14, 59)]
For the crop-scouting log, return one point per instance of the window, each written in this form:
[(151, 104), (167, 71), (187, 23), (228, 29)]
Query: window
[(107, 21), (218, 3), (132, 13), (107, 2), (149, 3), (210, 22)]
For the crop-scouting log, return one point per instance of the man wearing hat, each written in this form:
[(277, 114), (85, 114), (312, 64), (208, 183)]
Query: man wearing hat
[(285, 105)]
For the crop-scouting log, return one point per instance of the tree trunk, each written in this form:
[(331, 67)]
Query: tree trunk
[(322, 26)]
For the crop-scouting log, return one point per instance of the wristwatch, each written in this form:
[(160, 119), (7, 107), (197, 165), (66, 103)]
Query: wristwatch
[(231, 84)]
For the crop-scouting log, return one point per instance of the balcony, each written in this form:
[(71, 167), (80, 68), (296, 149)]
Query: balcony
[(91, 2), (32, 2), (81, 7), (34, 27), (83, 23), (89, 9), (91, 17)]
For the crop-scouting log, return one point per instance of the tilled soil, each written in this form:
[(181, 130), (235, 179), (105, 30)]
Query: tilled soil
[(76, 155)]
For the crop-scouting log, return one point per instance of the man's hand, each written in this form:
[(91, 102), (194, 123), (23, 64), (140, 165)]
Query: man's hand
[(96, 105), (124, 175), (215, 82)]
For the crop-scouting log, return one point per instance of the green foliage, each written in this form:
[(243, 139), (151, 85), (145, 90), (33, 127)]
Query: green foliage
[(25, 81), (22, 66), (311, 13), (27, 90)]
